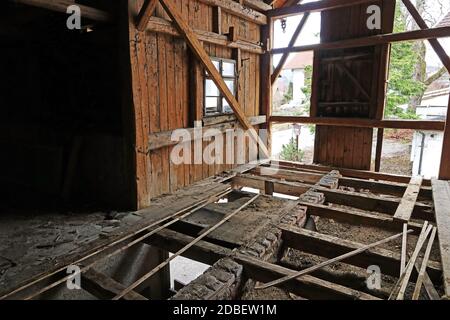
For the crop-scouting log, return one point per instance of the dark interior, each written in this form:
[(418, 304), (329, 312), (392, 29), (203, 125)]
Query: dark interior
[(62, 132)]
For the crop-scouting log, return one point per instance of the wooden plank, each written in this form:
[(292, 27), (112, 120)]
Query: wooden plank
[(357, 218), (104, 287), (441, 196), (291, 44), (329, 262), (423, 268), (307, 286), (363, 123), (408, 202), (316, 6), (329, 247), (164, 26), (434, 33), (404, 280), (62, 5), (404, 249), (201, 54), (144, 15), (360, 174)]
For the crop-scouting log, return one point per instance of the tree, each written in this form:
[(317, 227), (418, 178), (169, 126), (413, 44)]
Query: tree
[(289, 152), (408, 78)]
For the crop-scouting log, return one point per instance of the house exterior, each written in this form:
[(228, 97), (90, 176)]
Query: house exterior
[(295, 67), (427, 145)]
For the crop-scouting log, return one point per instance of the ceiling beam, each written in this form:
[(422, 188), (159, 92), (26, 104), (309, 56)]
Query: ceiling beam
[(317, 6), (371, 41)]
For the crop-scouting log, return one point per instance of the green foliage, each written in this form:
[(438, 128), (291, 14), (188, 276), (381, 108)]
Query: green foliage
[(402, 83), (289, 152), (307, 89)]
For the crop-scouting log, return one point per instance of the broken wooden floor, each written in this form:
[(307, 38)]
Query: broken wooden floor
[(251, 246)]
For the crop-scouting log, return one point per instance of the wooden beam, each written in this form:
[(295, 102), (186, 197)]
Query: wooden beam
[(184, 249), (201, 54), (408, 202), (104, 287), (285, 56), (238, 10), (62, 5), (363, 123), (434, 33), (444, 171), (360, 174), (357, 218), (258, 5), (384, 187), (266, 66), (329, 247), (160, 25), (307, 286), (145, 14), (440, 51), (350, 199), (203, 251), (441, 196), (282, 174), (317, 6), (321, 265), (164, 139)]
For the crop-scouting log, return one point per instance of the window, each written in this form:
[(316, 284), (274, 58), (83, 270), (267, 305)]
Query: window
[(215, 103)]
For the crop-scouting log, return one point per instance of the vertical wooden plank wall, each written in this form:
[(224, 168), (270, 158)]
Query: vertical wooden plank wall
[(167, 86), (342, 146)]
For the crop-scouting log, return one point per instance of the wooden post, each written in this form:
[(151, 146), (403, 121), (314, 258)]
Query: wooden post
[(379, 151), (444, 172), (266, 66)]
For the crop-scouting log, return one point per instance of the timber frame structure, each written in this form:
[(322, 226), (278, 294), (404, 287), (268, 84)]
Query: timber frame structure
[(241, 219)]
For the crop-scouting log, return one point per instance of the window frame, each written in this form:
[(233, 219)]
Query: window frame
[(220, 98)]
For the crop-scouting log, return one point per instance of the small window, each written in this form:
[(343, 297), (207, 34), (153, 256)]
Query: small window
[(215, 103)]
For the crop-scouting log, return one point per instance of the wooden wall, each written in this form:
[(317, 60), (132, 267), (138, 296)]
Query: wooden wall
[(167, 92), (353, 86)]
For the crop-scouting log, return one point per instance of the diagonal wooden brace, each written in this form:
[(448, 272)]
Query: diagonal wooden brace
[(197, 48)]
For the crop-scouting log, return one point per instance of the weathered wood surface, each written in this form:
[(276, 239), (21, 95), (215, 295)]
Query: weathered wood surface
[(408, 202), (441, 196)]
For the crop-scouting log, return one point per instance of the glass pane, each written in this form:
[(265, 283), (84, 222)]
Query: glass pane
[(211, 105), (230, 85), (228, 69), (216, 64), (226, 106), (211, 89)]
